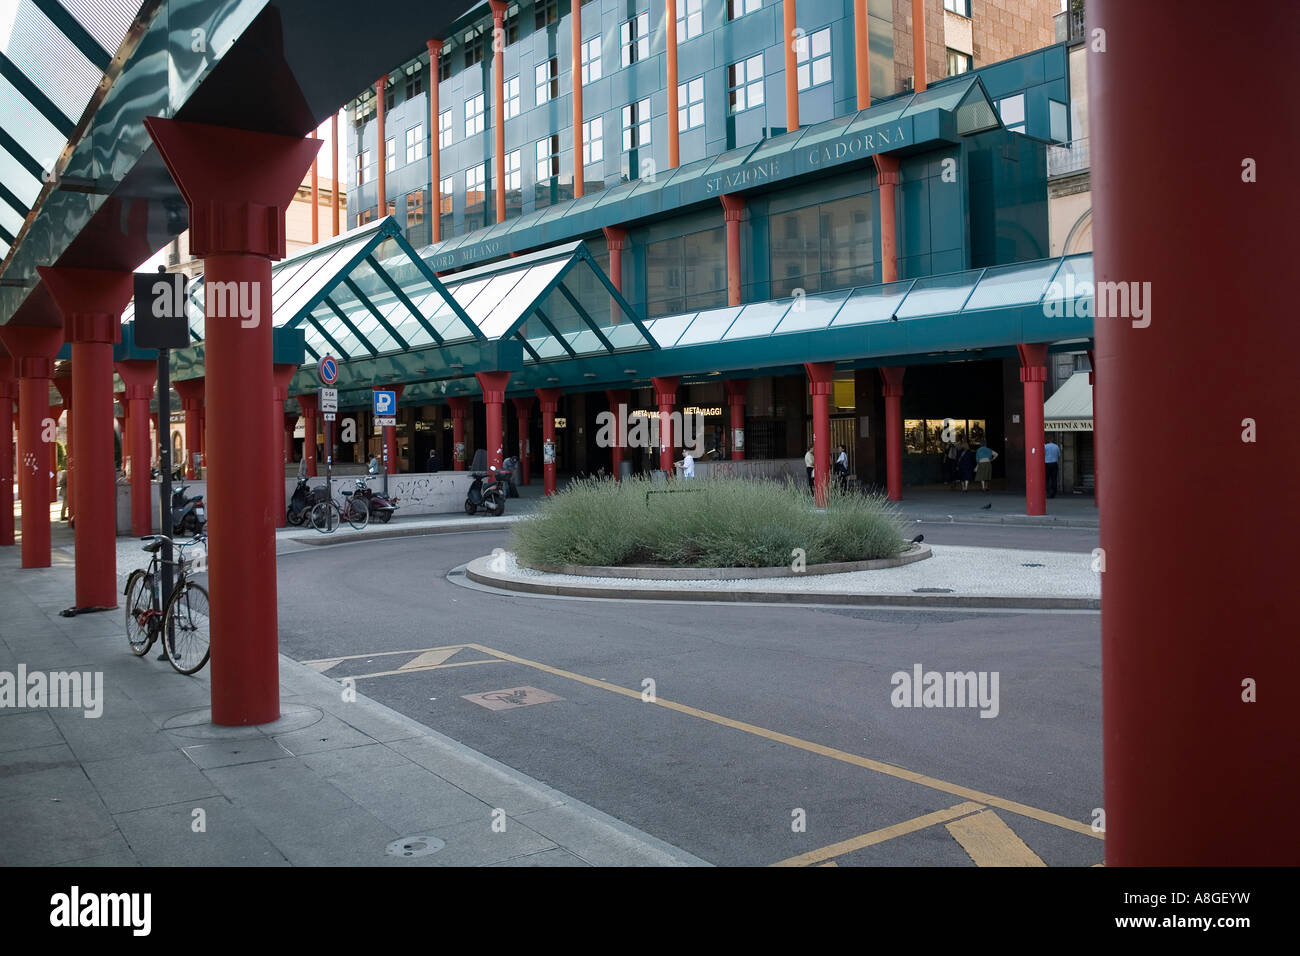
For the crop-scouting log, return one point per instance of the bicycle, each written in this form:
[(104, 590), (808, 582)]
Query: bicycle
[(326, 515), (186, 618)]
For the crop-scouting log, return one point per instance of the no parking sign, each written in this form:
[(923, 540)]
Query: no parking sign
[(329, 370)]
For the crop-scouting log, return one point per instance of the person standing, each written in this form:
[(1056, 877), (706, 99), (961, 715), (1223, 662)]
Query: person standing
[(965, 465), (688, 466), (984, 456), (1052, 461), (808, 464), (950, 464), (434, 464), (842, 467)]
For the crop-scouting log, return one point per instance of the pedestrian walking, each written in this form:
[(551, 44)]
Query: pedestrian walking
[(434, 464), (63, 494), (373, 468), (965, 465), (842, 467), (688, 466), (1052, 462), (808, 463), (984, 456), (950, 464)]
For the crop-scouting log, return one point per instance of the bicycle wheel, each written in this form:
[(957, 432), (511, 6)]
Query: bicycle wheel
[(358, 513), (187, 632), (139, 601), (325, 517)]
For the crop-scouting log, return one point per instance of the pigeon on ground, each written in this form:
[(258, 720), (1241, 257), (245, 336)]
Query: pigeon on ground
[(987, 506)]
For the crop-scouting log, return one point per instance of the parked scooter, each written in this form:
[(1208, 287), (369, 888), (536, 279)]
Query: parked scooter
[(490, 495), (188, 514), (381, 508), (302, 501)]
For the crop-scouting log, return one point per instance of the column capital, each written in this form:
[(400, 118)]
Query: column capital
[(498, 11), (1033, 362), (737, 390), (380, 84), (309, 404), (138, 376), (459, 405), (493, 385), (886, 169), (821, 377), (434, 47), (666, 389), (891, 378), (549, 399), (523, 406), (616, 238), (91, 301), (733, 206), (32, 348)]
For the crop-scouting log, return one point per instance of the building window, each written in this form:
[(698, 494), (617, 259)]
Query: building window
[(512, 97), (475, 186), (591, 60), (514, 177), (738, 8), (958, 62), (447, 195), (414, 208), (414, 144), (414, 81), (690, 104), (822, 247), (474, 121), (545, 13), (512, 24), (634, 39), (690, 19), (363, 167), (444, 128), (745, 84), (1012, 111), (444, 68), (959, 7), (636, 125), (686, 273), (390, 95), (593, 142), (813, 54), (548, 80), (473, 48), (548, 158), (390, 154)]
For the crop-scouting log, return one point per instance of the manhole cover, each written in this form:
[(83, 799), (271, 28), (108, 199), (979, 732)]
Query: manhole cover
[(415, 846), (931, 590), (1033, 565), (511, 697)]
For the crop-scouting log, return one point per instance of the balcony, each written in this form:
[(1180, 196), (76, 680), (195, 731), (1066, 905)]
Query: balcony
[(1069, 24), (1067, 160)]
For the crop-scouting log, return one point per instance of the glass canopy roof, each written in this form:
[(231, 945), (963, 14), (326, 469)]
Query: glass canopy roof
[(53, 54)]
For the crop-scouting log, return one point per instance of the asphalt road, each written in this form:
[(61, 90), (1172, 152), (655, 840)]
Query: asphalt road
[(764, 718)]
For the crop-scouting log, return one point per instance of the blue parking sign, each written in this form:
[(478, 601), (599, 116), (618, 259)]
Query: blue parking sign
[(385, 403)]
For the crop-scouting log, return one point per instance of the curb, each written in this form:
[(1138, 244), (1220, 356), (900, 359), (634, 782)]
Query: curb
[(914, 553), (478, 572), (484, 524), (1023, 521)]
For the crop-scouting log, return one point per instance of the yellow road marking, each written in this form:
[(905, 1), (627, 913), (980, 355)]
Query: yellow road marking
[(934, 783), (416, 670), (322, 666), (357, 657), (429, 659), (990, 842), (881, 835), (831, 863)]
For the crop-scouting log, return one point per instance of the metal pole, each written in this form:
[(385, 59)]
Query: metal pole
[(165, 468)]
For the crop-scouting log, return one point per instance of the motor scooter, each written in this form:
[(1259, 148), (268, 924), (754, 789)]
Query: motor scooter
[(381, 508), (188, 514), (490, 495), (302, 501)]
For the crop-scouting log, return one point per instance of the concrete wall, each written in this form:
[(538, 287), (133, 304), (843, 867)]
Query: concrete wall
[(774, 469)]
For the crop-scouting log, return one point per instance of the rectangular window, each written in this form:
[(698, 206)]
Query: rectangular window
[(1012, 111), (548, 158), (363, 167), (512, 24), (738, 8), (591, 60), (636, 125), (690, 104), (474, 121), (444, 68), (473, 48), (690, 19), (548, 80), (512, 97), (444, 128), (822, 247), (813, 55), (687, 273), (545, 13), (745, 84), (447, 194), (960, 7), (475, 186), (390, 154), (414, 81), (958, 62), (514, 175), (414, 144), (634, 39), (414, 208), (593, 142)]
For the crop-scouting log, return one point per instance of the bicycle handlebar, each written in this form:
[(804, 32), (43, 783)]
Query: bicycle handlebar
[(198, 538)]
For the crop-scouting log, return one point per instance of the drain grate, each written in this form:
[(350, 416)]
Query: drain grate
[(1033, 565), (932, 590), (415, 846)]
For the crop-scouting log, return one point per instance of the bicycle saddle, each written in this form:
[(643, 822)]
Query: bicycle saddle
[(346, 493), (152, 546)]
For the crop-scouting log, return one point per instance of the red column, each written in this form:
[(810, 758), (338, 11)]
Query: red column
[(493, 385), (549, 400), (737, 390), (616, 239), (670, 22), (666, 396), (435, 141), (8, 390), (334, 168), (1033, 373), (92, 302), (315, 197), (891, 379), (887, 180), (120, 398), (459, 405), (237, 185), (1096, 467), (33, 349), (791, 65), (191, 395), (499, 103), (618, 401), (1198, 637), (281, 376), (64, 385), (390, 431), (575, 21), (821, 383), (382, 149), (862, 52), (523, 411), (310, 417), (918, 44), (138, 375), (733, 207)]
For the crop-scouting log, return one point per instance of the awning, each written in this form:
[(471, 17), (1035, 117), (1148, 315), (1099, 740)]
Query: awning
[(1070, 407)]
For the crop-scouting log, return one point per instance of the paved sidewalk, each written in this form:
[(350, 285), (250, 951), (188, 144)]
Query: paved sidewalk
[(151, 781), (942, 504)]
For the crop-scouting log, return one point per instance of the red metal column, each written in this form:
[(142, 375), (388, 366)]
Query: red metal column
[(33, 349), (290, 423), (737, 389), (523, 411), (237, 185), (575, 21), (666, 396), (886, 181), (791, 65), (1198, 651), (549, 400), (733, 207), (499, 103), (64, 385), (315, 197), (8, 390), (435, 140), (618, 400), (390, 431), (1033, 373), (918, 44), (310, 420), (493, 385), (138, 375), (862, 52), (617, 241), (670, 29), (459, 405), (281, 376), (334, 168), (1096, 468), (382, 147), (191, 395), (891, 378), (821, 383)]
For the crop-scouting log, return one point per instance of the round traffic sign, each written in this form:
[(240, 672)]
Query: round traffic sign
[(329, 370)]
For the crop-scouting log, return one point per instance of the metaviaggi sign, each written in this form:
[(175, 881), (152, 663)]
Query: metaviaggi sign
[(640, 429)]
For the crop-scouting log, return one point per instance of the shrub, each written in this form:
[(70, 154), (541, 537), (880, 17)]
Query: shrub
[(723, 523)]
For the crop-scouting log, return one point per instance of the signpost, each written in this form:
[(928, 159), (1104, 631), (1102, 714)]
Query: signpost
[(329, 405), (385, 417)]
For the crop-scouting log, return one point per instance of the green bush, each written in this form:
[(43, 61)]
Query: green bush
[(725, 523)]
